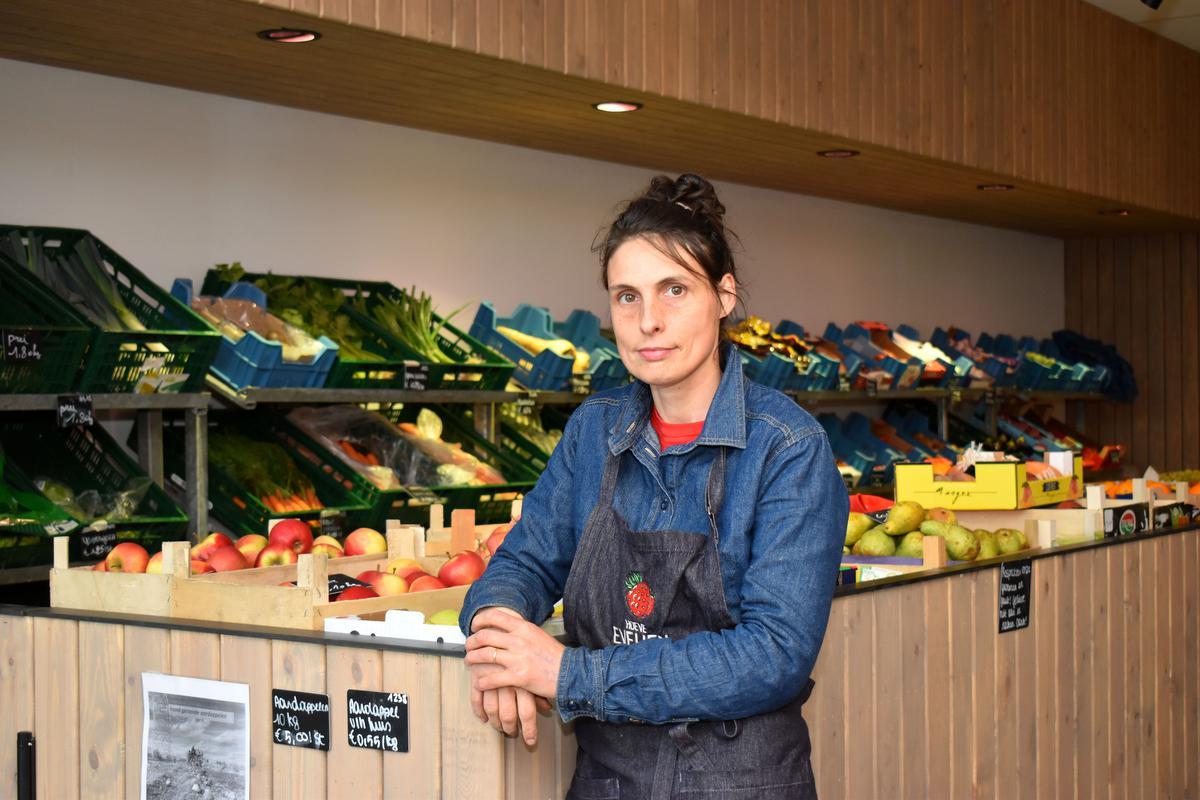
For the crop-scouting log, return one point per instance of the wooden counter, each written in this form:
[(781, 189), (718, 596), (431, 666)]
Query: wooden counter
[(917, 695)]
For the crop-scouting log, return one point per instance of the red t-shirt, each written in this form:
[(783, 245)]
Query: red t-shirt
[(670, 434)]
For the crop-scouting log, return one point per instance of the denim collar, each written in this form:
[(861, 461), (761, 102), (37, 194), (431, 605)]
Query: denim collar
[(724, 425)]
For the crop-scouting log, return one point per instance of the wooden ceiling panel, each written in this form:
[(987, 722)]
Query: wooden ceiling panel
[(210, 46)]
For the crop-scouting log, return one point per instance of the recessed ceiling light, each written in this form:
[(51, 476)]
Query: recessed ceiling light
[(841, 153), (289, 35), (617, 106), (995, 187), (1116, 212)]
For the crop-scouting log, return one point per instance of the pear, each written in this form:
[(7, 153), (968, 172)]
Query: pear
[(941, 515), (903, 518), (1006, 542), (856, 526), (912, 545), (961, 544), (1019, 535), (934, 528), (987, 545), (875, 543), (447, 616)]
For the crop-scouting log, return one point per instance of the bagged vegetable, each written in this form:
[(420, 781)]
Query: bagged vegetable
[(234, 317)]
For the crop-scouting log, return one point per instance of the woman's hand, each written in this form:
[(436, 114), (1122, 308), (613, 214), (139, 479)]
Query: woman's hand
[(523, 656), (507, 707)]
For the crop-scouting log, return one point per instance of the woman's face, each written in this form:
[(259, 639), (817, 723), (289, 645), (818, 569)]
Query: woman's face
[(666, 319)]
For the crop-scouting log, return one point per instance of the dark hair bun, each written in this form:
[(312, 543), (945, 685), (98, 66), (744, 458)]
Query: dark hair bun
[(691, 194)]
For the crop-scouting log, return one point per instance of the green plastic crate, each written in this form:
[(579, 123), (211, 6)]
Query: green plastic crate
[(90, 459), (63, 335), (116, 358), (492, 374), (29, 544), (411, 507), (237, 508), (493, 503)]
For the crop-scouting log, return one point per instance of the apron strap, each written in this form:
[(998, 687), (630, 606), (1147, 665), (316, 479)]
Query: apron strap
[(608, 483), (714, 493)]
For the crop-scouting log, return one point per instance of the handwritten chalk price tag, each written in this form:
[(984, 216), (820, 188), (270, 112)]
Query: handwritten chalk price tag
[(96, 544), (333, 523), (416, 377), (21, 346), (1016, 594), (300, 719), (339, 583), (75, 409), (525, 406), (377, 720)]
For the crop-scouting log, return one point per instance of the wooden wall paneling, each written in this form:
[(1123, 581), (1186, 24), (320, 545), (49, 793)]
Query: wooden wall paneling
[(472, 751), (1139, 356), (487, 28), (1067, 684), (733, 16), (1087, 274), (1046, 634), (1111, 587), (416, 774), (16, 693), (1123, 336), (1177, 550), (1005, 699), (1156, 373), (594, 39), (808, 83), (662, 53), (441, 22), (296, 666), (389, 16), (784, 61), (355, 771), (1105, 331), (889, 688), (984, 602), (246, 659), (336, 10), (101, 710), (195, 655), (862, 735), (937, 685), (1149, 655), (574, 33), (1093, 720), (465, 35), (568, 750), (1173, 378), (146, 650), (1025, 674), (1162, 667), (826, 710), (363, 13), (1085, 713), (555, 34), (915, 692), (56, 703), (1134, 565), (961, 754), (534, 771), (1191, 666), (1189, 349), (766, 16), (511, 35)]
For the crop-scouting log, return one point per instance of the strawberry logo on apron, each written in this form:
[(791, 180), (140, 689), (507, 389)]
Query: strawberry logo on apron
[(638, 596)]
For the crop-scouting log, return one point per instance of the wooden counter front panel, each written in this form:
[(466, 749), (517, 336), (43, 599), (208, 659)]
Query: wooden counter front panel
[(916, 696)]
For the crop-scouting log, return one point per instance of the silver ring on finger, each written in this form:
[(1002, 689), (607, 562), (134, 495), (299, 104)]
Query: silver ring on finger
[(495, 655)]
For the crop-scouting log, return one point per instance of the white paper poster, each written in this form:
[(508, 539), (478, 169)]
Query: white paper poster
[(195, 739)]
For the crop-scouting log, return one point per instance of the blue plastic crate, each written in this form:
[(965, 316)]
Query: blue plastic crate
[(582, 329), (547, 371), (255, 361), (857, 340)]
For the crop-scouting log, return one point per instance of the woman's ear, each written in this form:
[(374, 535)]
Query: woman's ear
[(727, 294)]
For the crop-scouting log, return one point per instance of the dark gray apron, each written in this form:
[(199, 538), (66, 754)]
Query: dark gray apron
[(628, 585)]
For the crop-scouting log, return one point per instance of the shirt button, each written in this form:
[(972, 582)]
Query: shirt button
[(663, 505)]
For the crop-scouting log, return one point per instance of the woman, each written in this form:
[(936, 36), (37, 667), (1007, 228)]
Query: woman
[(692, 522)]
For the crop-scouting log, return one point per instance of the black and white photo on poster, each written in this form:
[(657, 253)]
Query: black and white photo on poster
[(195, 739)]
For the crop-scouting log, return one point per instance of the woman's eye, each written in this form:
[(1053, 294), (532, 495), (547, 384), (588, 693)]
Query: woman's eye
[(626, 298), (676, 291)]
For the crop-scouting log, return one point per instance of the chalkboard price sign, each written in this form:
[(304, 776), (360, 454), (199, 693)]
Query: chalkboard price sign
[(333, 523), (377, 720), (96, 544), (21, 346), (300, 719), (75, 409), (1016, 594), (416, 377), (339, 583)]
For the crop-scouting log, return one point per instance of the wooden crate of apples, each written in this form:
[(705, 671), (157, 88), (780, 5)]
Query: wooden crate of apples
[(290, 583)]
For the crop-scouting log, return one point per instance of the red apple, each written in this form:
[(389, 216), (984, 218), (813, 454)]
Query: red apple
[(293, 533), (384, 583), (127, 557), (464, 568), (251, 545), (276, 554), (403, 566), (497, 537), (100, 566), (154, 565), (328, 549), (227, 559), (202, 551), (201, 567), (425, 583), (330, 540), (365, 541), (357, 593)]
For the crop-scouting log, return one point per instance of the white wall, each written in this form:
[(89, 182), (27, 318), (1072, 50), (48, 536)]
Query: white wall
[(176, 181)]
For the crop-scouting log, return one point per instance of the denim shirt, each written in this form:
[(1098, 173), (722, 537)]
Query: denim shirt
[(781, 528)]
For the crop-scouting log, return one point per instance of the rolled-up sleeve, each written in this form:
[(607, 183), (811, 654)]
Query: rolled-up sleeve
[(761, 663)]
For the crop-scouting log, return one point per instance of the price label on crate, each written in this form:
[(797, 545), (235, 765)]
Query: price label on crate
[(872, 389), (300, 719), (22, 346), (525, 406), (339, 583), (1016, 594), (96, 544), (377, 720), (75, 409), (416, 377), (422, 496), (333, 523), (1126, 519)]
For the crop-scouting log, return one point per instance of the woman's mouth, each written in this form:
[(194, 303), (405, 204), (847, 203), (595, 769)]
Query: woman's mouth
[(655, 353)]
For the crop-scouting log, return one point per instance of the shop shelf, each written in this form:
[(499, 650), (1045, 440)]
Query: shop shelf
[(547, 370), (176, 339), (61, 336)]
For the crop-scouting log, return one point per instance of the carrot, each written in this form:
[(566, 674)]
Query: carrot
[(239, 502), (372, 459)]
